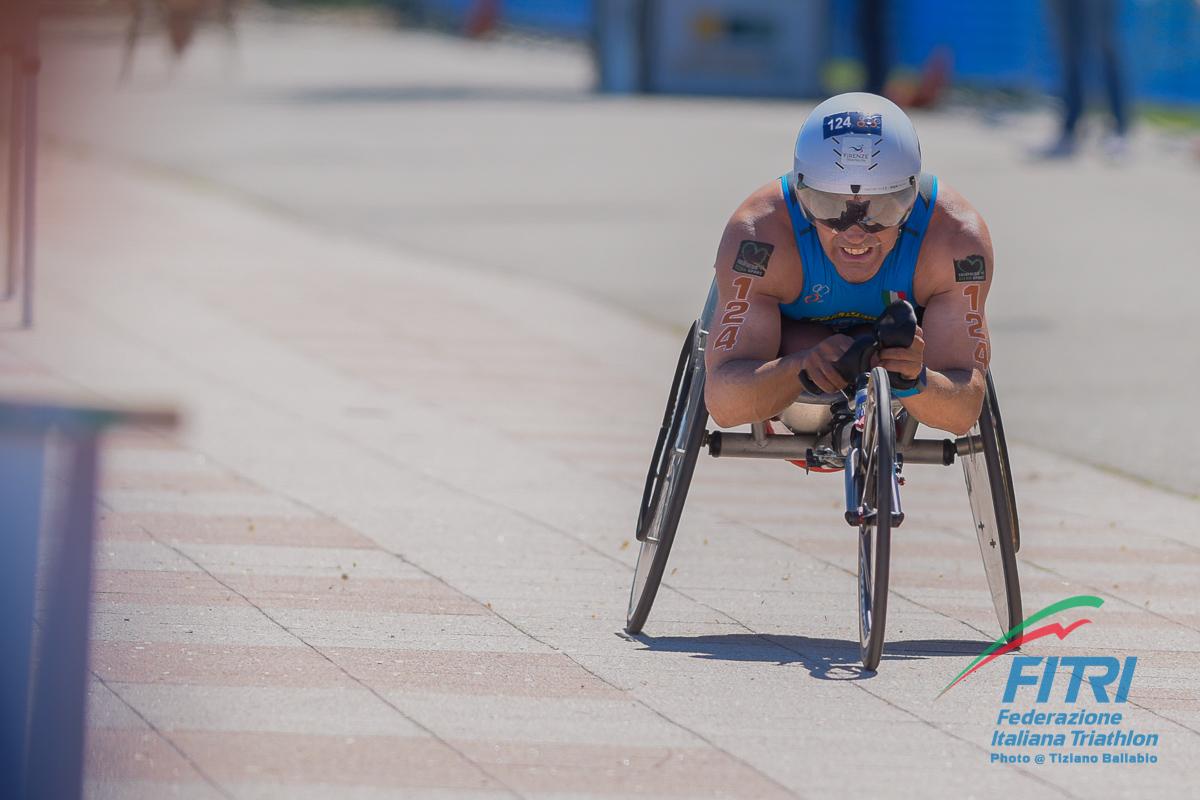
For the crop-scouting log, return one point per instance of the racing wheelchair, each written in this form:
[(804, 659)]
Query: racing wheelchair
[(861, 432)]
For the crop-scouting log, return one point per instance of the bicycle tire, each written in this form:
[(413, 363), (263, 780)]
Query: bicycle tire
[(656, 463), (668, 480), (993, 509), (1005, 467), (876, 484)]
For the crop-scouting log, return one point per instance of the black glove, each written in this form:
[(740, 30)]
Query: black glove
[(897, 327)]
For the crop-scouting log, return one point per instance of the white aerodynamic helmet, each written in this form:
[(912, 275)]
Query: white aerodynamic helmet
[(857, 143)]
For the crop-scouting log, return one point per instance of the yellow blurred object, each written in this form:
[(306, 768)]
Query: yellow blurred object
[(708, 26)]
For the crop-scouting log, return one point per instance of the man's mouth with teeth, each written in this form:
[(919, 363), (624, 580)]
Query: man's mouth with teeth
[(856, 251)]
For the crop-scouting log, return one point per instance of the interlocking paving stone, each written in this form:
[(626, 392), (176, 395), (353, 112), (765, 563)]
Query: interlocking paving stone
[(622, 770), (399, 762), (208, 503), (345, 710), (454, 632), (135, 755), (149, 790), (217, 530), (518, 674), (214, 665), (228, 624), (161, 587), (367, 595)]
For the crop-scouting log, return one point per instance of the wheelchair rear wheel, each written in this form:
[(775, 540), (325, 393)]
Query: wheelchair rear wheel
[(994, 509), (875, 474), (670, 475)]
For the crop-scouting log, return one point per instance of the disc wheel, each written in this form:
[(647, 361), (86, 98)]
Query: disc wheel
[(876, 482), (667, 481), (994, 509)]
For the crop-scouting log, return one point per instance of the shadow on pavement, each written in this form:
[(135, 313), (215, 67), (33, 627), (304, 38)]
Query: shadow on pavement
[(334, 95), (827, 659)]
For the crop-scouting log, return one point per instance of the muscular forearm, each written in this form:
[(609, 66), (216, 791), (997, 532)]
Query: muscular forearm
[(950, 402), (747, 390)]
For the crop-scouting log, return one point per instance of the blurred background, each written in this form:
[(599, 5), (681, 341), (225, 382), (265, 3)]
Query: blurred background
[(599, 146)]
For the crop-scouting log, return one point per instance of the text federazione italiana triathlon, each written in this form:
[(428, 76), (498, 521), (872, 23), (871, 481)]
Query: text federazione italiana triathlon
[(1070, 729)]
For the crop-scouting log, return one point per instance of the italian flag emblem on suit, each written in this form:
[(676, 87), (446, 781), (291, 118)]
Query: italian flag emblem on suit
[(891, 297)]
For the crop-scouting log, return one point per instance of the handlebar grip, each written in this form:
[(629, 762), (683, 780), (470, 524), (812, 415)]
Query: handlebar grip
[(897, 327)]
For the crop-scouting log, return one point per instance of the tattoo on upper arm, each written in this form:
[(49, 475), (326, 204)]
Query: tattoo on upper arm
[(972, 268), (735, 313), (975, 324), (752, 258)]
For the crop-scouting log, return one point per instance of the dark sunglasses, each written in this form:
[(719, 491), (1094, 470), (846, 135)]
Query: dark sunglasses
[(871, 212)]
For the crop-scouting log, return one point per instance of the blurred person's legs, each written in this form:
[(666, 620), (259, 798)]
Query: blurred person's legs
[(1107, 34), (1071, 22), (482, 18), (872, 31)]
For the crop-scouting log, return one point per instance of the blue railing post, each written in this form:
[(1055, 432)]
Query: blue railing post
[(48, 485), (56, 731), (21, 468)]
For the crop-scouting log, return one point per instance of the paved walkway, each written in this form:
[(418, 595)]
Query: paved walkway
[(499, 157), (389, 554)]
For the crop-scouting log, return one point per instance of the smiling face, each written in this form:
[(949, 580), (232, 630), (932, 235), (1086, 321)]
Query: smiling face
[(856, 254), (857, 230)]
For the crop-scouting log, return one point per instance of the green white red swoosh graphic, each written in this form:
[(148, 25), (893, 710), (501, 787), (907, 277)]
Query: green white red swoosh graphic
[(1018, 636)]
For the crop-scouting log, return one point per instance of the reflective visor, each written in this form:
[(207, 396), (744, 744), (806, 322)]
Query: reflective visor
[(871, 212)]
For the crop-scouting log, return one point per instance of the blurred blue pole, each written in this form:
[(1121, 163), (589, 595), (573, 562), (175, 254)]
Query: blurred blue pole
[(60, 693), (21, 469)]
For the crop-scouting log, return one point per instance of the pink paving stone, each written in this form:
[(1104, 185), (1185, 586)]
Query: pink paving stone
[(1084, 551), (176, 481), (110, 530), (453, 672), (161, 587), (13, 367), (384, 761), (292, 532), (133, 756), (620, 770), (1121, 554), (213, 665), (379, 595), (134, 440), (971, 578)]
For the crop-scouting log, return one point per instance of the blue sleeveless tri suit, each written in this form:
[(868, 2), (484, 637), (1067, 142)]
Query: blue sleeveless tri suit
[(831, 300)]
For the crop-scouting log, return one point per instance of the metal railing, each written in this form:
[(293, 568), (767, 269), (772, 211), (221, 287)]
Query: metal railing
[(48, 468)]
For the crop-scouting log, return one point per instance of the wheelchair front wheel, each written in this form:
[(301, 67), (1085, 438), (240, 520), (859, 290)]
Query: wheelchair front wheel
[(670, 475), (994, 509), (876, 476)]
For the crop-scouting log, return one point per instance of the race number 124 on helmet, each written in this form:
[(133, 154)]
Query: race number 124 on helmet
[(857, 161)]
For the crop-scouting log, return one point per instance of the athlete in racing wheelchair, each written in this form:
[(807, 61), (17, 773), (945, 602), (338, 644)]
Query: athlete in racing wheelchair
[(848, 305)]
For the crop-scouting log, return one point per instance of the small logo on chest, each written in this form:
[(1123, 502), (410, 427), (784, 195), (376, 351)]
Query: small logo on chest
[(819, 292)]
